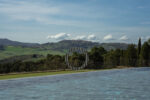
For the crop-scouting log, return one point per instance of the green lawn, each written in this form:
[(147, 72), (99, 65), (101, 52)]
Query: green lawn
[(22, 75)]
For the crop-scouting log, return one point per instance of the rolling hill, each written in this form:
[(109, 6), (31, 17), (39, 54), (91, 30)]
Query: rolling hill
[(66, 44), (10, 48), (7, 42)]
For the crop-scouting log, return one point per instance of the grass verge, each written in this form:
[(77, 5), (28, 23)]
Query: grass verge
[(34, 74)]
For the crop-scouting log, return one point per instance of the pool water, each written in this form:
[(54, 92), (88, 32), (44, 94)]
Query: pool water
[(118, 84)]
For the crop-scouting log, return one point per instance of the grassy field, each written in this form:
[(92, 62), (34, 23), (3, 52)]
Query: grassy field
[(34, 74), (16, 51)]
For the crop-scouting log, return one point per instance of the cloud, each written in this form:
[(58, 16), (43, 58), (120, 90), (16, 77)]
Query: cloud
[(35, 11), (46, 13), (82, 37), (108, 37), (91, 37), (27, 10), (124, 38), (59, 36)]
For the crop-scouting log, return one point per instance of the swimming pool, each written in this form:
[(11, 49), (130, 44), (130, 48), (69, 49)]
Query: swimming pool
[(118, 84)]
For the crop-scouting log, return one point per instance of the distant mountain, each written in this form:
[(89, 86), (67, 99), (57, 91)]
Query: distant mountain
[(64, 44), (109, 46), (6, 42)]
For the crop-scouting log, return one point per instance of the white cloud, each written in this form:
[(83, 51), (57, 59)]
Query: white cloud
[(91, 37), (82, 37), (35, 11), (43, 12), (27, 10), (108, 37), (59, 36), (124, 38)]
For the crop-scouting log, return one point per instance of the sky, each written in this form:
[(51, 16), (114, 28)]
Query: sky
[(41, 21)]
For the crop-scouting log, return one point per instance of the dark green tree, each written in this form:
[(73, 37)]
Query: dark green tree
[(131, 55), (76, 59), (145, 54), (1, 47), (112, 58), (139, 47), (96, 57), (148, 42)]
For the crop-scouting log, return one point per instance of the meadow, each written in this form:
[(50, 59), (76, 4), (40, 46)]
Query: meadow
[(11, 51)]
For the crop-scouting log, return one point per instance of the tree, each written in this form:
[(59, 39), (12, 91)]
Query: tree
[(148, 42), (77, 59), (112, 58), (139, 47), (122, 57), (1, 47), (49, 56), (131, 55), (96, 57), (145, 54)]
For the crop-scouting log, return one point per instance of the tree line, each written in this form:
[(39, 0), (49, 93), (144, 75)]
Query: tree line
[(99, 58), (1, 47)]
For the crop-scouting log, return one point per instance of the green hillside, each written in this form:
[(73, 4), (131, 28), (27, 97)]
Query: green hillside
[(10, 51)]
